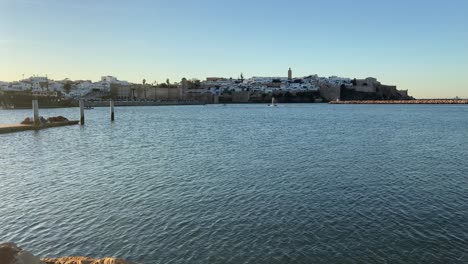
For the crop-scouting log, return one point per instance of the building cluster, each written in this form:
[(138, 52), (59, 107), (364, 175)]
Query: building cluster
[(273, 84), (43, 86), (331, 88)]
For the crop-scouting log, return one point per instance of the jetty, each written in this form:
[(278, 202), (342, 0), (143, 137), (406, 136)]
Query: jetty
[(20, 127), (417, 101), (38, 122)]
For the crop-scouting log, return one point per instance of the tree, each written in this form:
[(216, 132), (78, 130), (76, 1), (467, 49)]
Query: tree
[(67, 87), (242, 76), (197, 84), (113, 91), (144, 81), (168, 82), (354, 82)]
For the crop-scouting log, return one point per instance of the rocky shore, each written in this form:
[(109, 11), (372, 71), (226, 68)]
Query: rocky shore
[(12, 254)]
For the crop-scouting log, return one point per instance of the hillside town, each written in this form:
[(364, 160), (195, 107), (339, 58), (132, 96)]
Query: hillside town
[(312, 88)]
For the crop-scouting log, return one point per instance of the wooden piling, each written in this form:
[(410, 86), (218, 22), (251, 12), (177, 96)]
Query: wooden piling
[(35, 106), (112, 110), (82, 105)]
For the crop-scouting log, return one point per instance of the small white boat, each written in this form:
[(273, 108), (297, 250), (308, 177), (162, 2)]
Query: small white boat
[(273, 102)]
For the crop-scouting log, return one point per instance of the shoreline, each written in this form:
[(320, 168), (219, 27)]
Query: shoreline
[(130, 104), (417, 101), (136, 104)]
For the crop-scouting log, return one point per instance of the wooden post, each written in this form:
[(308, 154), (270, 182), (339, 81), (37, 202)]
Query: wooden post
[(112, 110), (35, 105), (82, 112)]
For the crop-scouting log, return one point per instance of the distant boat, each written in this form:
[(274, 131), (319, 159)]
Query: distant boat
[(88, 107), (273, 102)]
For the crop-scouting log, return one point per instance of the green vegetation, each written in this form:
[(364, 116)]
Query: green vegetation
[(67, 86)]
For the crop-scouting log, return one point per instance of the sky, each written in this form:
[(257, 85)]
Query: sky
[(420, 46)]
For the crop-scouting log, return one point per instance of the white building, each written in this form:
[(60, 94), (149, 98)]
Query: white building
[(18, 86), (38, 83), (3, 85), (106, 82), (56, 87), (109, 79), (335, 80)]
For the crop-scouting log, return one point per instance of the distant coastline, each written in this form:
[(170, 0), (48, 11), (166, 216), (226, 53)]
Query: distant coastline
[(213, 90), (186, 103), (416, 101)]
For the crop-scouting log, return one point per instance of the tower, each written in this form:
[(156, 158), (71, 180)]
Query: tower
[(290, 74)]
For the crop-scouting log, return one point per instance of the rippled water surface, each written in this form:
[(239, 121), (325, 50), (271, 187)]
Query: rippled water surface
[(242, 184)]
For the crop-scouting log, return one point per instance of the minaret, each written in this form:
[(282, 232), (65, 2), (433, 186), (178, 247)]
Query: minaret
[(290, 74)]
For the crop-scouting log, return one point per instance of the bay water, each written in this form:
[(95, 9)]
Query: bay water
[(297, 183)]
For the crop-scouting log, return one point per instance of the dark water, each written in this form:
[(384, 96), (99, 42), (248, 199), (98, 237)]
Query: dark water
[(242, 184)]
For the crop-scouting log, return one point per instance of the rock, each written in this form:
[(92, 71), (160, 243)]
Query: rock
[(8, 253), (11, 254), (56, 119), (83, 260), (27, 121)]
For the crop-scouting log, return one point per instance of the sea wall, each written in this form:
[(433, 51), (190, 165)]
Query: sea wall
[(241, 97), (142, 103), (329, 92)]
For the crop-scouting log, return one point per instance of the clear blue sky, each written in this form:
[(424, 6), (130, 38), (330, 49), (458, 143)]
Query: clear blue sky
[(418, 45)]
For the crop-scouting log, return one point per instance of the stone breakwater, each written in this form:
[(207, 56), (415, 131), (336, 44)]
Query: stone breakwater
[(418, 101), (12, 254)]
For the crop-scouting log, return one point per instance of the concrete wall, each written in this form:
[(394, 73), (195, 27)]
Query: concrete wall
[(390, 92), (329, 92), (147, 92), (403, 93), (206, 98), (368, 85), (122, 91), (240, 97), (158, 93)]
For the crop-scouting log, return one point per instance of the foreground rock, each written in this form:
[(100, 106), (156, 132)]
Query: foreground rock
[(83, 260), (57, 119), (52, 119), (12, 254)]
